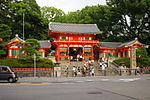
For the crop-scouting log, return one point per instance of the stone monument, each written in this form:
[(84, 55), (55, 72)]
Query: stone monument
[(133, 57)]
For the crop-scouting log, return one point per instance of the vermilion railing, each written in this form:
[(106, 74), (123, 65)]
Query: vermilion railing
[(146, 67), (83, 41), (31, 69)]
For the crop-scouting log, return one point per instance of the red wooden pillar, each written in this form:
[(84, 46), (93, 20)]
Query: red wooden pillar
[(68, 51), (92, 52), (58, 52), (57, 55), (9, 52), (83, 53)]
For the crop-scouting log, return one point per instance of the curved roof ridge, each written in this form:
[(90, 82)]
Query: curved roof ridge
[(16, 37), (118, 44), (70, 23), (130, 42), (73, 28)]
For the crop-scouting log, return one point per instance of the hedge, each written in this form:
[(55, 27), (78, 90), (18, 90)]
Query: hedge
[(141, 62), (27, 63)]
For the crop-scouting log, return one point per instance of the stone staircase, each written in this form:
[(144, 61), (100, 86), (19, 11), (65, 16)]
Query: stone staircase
[(109, 69), (77, 64), (70, 65), (98, 71)]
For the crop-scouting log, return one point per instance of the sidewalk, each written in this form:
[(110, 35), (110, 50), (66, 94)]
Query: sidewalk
[(73, 79)]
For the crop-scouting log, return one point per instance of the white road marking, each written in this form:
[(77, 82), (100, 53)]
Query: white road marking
[(105, 79), (129, 79)]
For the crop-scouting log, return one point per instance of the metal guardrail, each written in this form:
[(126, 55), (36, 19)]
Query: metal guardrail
[(58, 73)]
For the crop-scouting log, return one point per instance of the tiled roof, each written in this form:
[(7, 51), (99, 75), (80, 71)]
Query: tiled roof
[(74, 28), (109, 44), (16, 38), (44, 43), (118, 44)]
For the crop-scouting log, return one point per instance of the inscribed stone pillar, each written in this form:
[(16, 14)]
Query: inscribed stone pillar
[(133, 58)]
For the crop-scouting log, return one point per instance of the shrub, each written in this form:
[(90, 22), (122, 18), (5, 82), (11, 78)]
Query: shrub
[(44, 63), (143, 61), (125, 61), (10, 62), (26, 63)]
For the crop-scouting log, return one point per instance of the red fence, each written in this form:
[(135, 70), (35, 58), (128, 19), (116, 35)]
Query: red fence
[(31, 69), (146, 67)]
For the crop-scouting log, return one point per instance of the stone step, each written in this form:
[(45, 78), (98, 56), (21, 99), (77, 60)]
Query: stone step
[(81, 64)]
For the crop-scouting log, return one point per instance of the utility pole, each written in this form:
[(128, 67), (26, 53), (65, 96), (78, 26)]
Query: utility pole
[(34, 65), (23, 26)]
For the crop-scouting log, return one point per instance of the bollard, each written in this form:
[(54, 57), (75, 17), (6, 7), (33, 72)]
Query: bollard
[(53, 73), (67, 74), (72, 74), (38, 74), (130, 72), (56, 74), (50, 74), (89, 73), (135, 71), (104, 72), (120, 73)]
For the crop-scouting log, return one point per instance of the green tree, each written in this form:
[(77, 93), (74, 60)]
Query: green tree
[(142, 57), (4, 11), (30, 46), (5, 19), (72, 17), (3, 49), (33, 21), (5, 32), (52, 14), (130, 19), (99, 15)]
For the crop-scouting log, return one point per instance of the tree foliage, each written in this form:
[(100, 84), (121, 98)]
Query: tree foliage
[(30, 46), (21, 63), (142, 57), (52, 14), (124, 61), (130, 18), (3, 49), (32, 19), (5, 32)]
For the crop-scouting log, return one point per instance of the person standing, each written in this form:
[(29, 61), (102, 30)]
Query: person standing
[(84, 70), (92, 71), (78, 71), (80, 57), (74, 71), (67, 71), (103, 70), (90, 62), (121, 70)]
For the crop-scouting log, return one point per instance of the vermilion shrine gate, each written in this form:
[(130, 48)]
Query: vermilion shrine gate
[(71, 40)]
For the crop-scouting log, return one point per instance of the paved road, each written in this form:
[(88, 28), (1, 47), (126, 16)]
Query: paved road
[(89, 88)]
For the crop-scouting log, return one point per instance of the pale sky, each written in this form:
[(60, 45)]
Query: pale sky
[(69, 5)]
